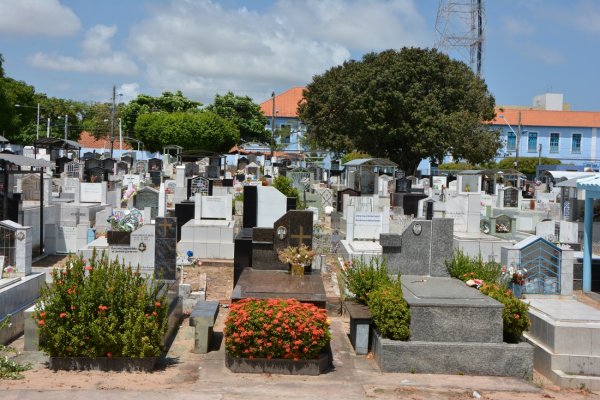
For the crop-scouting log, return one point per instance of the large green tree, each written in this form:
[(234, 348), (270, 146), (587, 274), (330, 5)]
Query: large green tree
[(403, 105), (244, 113), (168, 102), (202, 130)]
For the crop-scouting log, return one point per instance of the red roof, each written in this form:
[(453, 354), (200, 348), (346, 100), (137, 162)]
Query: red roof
[(88, 141), (286, 103), (529, 117)]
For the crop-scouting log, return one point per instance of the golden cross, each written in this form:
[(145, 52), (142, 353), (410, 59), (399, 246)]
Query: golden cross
[(165, 225), (301, 236)]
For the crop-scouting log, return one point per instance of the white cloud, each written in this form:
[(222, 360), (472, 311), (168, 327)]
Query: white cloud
[(128, 91), (34, 17), (98, 56), (202, 48)]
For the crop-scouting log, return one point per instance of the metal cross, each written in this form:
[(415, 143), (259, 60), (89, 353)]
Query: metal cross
[(301, 236), (165, 225)]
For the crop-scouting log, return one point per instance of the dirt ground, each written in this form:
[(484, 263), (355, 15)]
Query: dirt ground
[(184, 369)]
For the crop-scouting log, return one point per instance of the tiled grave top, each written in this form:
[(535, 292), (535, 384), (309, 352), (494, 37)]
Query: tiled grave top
[(211, 222), (428, 290), (563, 310)]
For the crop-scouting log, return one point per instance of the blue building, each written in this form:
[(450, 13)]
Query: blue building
[(549, 129)]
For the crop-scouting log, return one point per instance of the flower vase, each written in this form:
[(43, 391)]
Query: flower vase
[(516, 289), (297, 269)]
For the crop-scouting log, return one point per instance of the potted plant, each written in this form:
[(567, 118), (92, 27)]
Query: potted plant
[(122, 223), (297, 257)]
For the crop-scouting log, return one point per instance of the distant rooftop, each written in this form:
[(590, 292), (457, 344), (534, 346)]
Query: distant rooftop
[(286, 103)]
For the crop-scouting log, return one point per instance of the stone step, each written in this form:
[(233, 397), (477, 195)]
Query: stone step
[(546, 361), (446, 310), (569, 381), (565, 326)]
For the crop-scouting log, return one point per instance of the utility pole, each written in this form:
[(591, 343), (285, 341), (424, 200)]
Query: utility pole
[(112, 121), (518, 143), (66, 125), (37, 127), (273, 129)]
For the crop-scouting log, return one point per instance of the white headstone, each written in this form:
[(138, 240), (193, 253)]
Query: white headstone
[(162, 200), (93, 192), (271, 205)]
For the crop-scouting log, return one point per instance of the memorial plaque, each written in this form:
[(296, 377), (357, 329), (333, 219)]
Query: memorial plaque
[(165, 250), (213, 172), (511, 197), (30, 187), (199, 185)]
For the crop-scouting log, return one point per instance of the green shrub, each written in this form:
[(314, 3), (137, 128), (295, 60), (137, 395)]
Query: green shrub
[(464, 268), (360, 278), (515, 316), (276, 328), (390, 312), (9, 368), (101, 308)]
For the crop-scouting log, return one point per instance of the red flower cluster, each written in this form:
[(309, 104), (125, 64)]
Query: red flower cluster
[(276, 328)]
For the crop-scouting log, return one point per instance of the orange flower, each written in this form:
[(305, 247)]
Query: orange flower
[(63, 314), (43, 314), (157, 304), (517, 316), (41, 322), (88, 268), (109, 354)]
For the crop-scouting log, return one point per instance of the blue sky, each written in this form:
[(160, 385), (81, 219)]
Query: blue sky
[(78, 49)]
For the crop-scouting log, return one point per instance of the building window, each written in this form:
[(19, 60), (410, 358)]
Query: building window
[(532, 142), (554, 142), (511, 141), (576, 143)]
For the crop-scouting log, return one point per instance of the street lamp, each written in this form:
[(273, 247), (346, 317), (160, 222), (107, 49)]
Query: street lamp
[(518, 137)]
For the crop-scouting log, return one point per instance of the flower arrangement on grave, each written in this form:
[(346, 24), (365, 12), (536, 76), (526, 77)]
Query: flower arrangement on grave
[(301, 255), (276, 328), (7, 271), (495, 282), (125, 220), (100, 308)]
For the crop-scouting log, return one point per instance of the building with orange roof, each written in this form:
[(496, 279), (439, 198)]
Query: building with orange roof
[(285, 118), (549, 129)]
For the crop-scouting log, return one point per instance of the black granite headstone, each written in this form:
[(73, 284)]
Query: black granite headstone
[(184, 212), (109, 164), (199, 184), (87, 155), (403, 185), (242, 253), (228, 182), (128, 160), (122, 168), (213, 172), (97, 175), (242, 163), (429, 209), (60, 164), (250, 207), (291, 203), (155, 164), (165, 253), (155, 177), (214, 161), (410, 203), (92, 163), (340, 197)]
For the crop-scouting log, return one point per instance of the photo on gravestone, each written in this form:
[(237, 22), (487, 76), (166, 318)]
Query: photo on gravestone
[(72, 169), (30, 188), (165, 249), (147, 197), (511, 197)]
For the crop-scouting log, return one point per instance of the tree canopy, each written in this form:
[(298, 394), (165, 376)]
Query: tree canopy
[(244, 113), (167, 102), (527, 165), (203, 130), (403, 105)]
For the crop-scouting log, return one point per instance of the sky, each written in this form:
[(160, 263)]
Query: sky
[(79, 49)]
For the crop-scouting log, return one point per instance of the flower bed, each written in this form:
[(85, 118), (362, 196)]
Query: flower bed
[(101, 309), (267, 330)]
